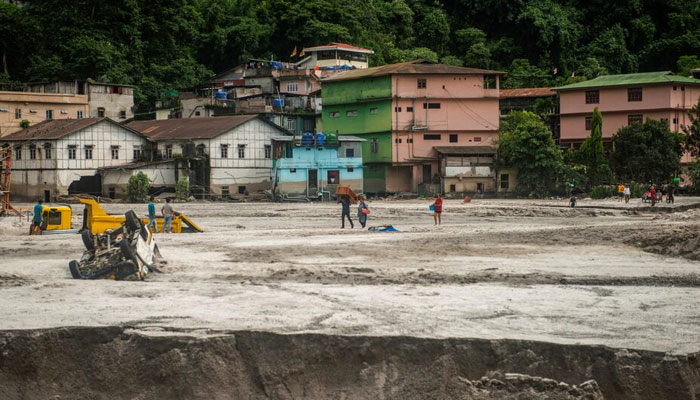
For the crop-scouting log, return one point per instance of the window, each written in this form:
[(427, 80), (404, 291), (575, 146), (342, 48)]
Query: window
[(592, 97), (333, 176), (453, 188), (32, 152), (122, 114), (397, 140), (409, 109), (505, 178), (168, 154), (18, 113), (634, 94), (49, 114), (292, 87), (72, 151), (241, 151), (290, 124), (489, 81), (224, 151), (431, 105), (224, 191), (349, 153), (397, 109), (477, 139), (197, 113), (635, 119), (101, 112), (293, 170), (421, 84), (373, 110), (64, 112), (675, 88), (79, 114), (88, 152), (18, 152), (682, 88), (137, 152), (268, 151), (47, 151), (334, 114), (675, 121), (374, 146), (409, 140), (453, 138), (200, 150), (431, 137), (114, 150), (588, 123), (351, 113), (351, 169)]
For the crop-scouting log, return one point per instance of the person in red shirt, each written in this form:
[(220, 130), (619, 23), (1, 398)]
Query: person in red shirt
[(437, 205), (652, 194)]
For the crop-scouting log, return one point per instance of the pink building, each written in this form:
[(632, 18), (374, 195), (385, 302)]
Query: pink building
[(623, 100), (438, 108)]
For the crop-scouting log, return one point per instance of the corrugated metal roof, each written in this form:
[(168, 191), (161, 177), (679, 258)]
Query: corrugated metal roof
[(631, 79), (465, 150), (416, 67), (527, 92), (338, 46), (57, 128), (190, 128)]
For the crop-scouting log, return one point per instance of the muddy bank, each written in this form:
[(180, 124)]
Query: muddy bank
[(117, 363)]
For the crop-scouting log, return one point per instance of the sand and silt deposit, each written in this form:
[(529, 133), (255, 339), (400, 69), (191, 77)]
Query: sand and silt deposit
[(508, 299)]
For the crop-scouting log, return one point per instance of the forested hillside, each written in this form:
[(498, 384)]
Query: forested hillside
[(170, 44)]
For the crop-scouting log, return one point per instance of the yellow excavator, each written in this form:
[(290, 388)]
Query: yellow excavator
[(57, 219)]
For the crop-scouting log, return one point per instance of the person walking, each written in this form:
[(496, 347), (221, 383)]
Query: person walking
[(627, 192), (652, 195), (168, 213), (361, 213), (437, 209), (36, 221), (620, 192), (669, 195), (345, 202), (152, 215)]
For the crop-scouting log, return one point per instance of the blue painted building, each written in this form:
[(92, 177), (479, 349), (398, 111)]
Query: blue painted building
[(311, 170)]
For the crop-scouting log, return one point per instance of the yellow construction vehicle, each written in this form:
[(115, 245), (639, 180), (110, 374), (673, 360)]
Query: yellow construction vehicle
[(57, 219)]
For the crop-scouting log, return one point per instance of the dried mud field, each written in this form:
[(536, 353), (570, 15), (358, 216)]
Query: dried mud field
[(507, 299)]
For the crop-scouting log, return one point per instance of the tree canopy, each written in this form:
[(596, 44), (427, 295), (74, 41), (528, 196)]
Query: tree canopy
[(160, 45), (591, 155), (647, 153)]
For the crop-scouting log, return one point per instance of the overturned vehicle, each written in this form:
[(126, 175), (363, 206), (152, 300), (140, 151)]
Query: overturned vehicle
[(128, 252)]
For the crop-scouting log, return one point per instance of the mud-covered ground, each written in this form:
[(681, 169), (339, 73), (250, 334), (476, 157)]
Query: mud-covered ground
[(606, 273)]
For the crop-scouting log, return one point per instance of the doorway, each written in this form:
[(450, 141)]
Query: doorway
[(313, 182), (427, 175), (47, 196)]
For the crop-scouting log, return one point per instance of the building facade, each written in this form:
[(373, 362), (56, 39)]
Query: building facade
[(62, 157), (334, 55), (541, 101), (404, 111), (34, 108), (623, 100), (111, 100), (315, 171), (224, 155)]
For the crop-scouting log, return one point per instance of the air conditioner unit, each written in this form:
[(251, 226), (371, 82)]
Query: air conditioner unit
[(419, 128)]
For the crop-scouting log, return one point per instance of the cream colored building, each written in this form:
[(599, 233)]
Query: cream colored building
[(16, 107), (335, 55), (111, 100)]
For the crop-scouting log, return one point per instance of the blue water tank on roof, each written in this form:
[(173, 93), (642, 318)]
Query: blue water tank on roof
[(278, 103), (320, 138), (307, 139), (221, 95)]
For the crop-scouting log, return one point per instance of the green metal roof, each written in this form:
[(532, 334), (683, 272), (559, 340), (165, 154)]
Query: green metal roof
[(631, 79)]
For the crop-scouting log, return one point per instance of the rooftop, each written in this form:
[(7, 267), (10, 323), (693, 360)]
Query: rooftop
[(338, 46), (527, 92), (631, 79), (416, 67), (190, 128), (56, 129)]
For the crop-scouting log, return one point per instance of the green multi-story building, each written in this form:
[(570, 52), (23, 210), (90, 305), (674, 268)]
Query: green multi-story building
[(363, 107)]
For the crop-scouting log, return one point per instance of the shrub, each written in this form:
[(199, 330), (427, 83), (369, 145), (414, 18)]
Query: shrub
[(694, 175), (137, 188), (602, 192), (182, 190), (24, 124)]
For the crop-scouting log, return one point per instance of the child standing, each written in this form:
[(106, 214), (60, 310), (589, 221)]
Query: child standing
[(361, 214), (437, 206)]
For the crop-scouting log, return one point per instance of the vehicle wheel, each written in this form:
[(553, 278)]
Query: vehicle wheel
[(128, 253), (88, 240), (73, 266), (132, 221)]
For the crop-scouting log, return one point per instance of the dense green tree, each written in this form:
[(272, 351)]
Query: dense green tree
[(691, 141), (591, 154), (522, 74), (526, 144), (647, 152), (686, 64)]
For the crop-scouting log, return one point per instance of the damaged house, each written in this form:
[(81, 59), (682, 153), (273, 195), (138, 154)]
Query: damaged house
[(223, 155), (63, 157)]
